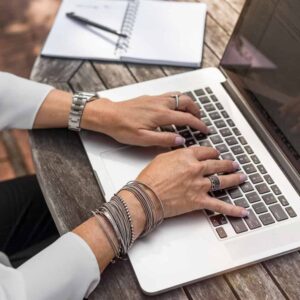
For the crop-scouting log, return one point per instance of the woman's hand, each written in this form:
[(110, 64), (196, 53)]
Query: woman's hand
[(136, 121), (180, 180)]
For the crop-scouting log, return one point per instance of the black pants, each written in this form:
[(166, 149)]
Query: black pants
[(26, 226)]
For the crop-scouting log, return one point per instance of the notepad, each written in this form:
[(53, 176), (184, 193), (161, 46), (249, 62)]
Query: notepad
[(158, 32)]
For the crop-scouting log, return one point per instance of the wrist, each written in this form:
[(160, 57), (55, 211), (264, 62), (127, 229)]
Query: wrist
[(97, 115)]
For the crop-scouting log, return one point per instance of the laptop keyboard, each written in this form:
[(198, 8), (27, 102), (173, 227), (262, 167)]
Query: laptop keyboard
[(259, 194)]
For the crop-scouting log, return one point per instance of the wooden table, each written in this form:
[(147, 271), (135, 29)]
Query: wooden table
[(71, 190)]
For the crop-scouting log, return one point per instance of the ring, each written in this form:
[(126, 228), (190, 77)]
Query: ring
[(176, 97), (215, 183)]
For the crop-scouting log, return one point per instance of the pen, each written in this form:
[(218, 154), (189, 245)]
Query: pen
[(91, 23)]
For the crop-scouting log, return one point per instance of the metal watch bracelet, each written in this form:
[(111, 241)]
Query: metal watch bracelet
[(79, 101)]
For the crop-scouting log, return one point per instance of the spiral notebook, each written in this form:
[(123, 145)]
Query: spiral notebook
[(159, 32)]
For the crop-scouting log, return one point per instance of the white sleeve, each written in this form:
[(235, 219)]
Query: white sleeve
[(20, 100), (67, 269)]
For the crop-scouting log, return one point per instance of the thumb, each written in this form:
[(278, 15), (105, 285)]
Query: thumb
[(164, 139)]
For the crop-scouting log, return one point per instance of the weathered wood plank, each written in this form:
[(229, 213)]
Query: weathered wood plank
[(254, 283), (214, 288), (54, 70), (236, 4), (286, 271), (86, 79)]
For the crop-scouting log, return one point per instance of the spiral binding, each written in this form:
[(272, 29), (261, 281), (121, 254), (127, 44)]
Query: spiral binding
[(127, 27)]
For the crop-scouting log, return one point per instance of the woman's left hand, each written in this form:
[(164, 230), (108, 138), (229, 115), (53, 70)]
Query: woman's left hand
[(136, 121)]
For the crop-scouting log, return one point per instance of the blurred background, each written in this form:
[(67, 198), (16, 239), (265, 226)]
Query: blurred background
[(24, 25)]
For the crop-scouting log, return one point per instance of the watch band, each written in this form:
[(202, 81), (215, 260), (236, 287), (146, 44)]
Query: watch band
[(79, 100)]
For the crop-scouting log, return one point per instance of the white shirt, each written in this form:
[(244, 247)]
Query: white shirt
[(67, 269)]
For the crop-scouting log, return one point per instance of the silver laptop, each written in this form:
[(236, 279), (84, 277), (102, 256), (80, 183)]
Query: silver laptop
[(251, 103)]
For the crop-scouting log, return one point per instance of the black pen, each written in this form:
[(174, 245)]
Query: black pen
[(91, 23)]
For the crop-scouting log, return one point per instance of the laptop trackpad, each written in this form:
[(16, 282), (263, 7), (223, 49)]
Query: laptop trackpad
[(125, 164), (264, 242)]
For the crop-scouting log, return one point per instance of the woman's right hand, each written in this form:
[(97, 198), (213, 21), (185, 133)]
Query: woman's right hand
[(180, 180)]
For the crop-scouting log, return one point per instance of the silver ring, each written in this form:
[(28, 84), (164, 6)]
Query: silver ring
[(215, 183), (176, 97)]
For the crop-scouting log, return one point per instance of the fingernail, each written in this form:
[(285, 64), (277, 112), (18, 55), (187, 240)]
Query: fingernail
[(245, 213), (243, 177), (235, 165), (179, 140)]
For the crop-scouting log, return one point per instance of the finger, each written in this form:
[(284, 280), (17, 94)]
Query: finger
[(171, 94), (224, 208), (186, 104), (227, 181), (204, 153), (182, 119), (164, 139), (219, 166)]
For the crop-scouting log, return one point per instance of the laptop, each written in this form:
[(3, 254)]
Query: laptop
[(251, 103)]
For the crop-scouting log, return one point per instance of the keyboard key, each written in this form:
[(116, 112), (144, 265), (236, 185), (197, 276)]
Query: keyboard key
[(228, 156), (216, 139), (215, 115), (222, 148), (212, 130), (255, 178), (214, 98), (190, 142), (276, 190), (266, 219), (209, 107), (262, 188), (181, 128), (193, 129), (231, 141), (236, 131), (283, 201), (169, 128), (205, 143), (259, 207), (190, 94), (246, 187), (199, 136), (234, 193), (249, 150), (269, 199), (243, 159), (219, 193), (204, 100), (262, 169), (249, 169), (202, 114), (221, 232), (278, 212), (237, 224), (220, 124), (230, 123), (252, 220), (224, 114), (225, 132), (186, 134), (241, 202), (209, 212), (226, 199), (237, 149), (268, 179), (208, 90), (207, 122), (242, 140), (219, 106), (291, 212), (199, 92), (255, 159), (177, 147), (252, 197), (218, 220)]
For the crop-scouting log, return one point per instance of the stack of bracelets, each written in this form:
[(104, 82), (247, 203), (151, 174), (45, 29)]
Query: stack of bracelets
[(117, 214)]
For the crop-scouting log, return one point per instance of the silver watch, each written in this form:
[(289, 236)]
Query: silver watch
[(80, 99)]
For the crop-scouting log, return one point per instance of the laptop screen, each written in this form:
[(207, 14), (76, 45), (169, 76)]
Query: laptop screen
[(263, 60)]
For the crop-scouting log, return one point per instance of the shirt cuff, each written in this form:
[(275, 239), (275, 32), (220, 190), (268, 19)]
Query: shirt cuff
[(67, 269), (20, 99)]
